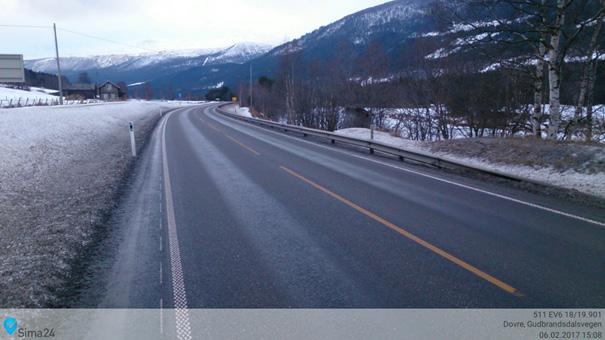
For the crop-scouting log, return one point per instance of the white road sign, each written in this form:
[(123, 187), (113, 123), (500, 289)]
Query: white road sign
[(12, 68)]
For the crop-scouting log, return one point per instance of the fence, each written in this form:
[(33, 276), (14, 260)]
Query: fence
[(22, 102)]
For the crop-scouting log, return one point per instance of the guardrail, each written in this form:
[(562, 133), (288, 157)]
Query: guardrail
[(403, 154)]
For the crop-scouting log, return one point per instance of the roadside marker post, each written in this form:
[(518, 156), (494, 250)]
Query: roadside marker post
[(133, 145)]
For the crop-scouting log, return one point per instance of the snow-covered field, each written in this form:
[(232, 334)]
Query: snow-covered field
[(590, 182), (36, 94), (60, 170), (404, 118)]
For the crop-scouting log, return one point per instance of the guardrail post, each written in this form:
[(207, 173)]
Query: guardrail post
[(372, 151), (333, 141)]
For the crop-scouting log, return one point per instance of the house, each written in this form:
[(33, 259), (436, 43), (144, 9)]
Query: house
[(110, 92), (80, 91)]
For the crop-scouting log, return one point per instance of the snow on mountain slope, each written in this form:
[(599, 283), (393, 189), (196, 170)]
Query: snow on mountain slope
[(392, 17), (238, 53)]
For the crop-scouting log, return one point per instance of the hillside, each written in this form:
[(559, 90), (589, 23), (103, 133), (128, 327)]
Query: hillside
[(400, 34), (150, 67)]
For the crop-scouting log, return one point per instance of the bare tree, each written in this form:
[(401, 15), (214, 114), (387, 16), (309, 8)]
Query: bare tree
[(586, 93)]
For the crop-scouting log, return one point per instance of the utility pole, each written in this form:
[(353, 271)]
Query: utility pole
[(240, 94), (250, 86), (58, 66)]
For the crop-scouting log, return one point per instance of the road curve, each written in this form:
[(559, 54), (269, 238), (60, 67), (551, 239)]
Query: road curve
[(222, 214)]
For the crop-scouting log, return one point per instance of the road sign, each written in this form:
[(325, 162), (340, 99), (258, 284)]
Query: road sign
[(12, 68)]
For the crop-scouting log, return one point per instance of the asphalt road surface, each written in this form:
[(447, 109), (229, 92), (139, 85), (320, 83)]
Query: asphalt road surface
[(223, 214)]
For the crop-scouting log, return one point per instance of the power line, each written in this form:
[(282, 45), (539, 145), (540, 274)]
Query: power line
[(103, 39), (26, 26), (90, 36)]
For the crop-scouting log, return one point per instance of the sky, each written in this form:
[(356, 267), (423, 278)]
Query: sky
[(153, 25)]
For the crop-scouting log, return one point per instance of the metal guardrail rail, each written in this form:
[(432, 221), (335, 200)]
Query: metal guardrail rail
[(403, 154)]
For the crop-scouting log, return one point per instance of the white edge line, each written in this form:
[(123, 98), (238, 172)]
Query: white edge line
[(533, 205), (183, 326)]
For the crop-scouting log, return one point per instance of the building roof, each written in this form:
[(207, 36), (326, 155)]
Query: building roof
[(108, 82), (81, 87)]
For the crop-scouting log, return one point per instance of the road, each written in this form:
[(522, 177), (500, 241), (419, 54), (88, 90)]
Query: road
[(222, 214)]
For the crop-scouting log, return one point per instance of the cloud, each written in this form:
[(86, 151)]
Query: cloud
[(164, 24)]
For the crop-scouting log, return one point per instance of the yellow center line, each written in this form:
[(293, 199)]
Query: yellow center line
[(504, 286), (213, 127), (242, 144), (234, 140)]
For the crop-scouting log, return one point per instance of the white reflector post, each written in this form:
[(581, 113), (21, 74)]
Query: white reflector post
[(133, 145)]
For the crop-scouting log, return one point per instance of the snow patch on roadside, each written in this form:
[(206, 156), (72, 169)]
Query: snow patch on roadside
[(593, 184), (241, 111), (16, 94)]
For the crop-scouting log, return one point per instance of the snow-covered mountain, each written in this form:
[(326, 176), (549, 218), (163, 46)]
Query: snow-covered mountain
[(395, 18), (140, 67), (238, 54), (393, 26), (114, 60), (402, 30)]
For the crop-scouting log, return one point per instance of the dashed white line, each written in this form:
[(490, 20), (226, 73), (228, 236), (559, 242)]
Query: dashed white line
[(161, 316), (183, 326)]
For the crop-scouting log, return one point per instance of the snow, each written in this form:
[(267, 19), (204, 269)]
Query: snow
[(237, 53), (241, 111), (9, 93), (217, 85), (44, 90), (441, 53), (60, 171), (136, 84), (593, 184)]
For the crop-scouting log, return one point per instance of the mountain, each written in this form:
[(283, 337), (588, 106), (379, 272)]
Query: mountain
[(148, 67), (396, 27), (392, 25), (403, 33)]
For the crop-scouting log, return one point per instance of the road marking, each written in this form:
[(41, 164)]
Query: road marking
[(242, 145), (161, 316), (183, 327), (213, 127), (504, 197), (228, 136), (500, 284)]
